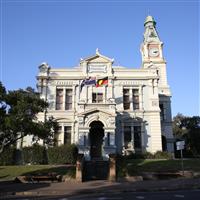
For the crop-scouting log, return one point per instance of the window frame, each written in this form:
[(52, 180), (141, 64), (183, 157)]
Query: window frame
[(59, 99), (68, 105), (127, 102), (67, 135), (95, 97)]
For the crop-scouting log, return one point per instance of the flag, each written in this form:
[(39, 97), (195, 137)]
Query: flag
[(103, 81), (88, 81)]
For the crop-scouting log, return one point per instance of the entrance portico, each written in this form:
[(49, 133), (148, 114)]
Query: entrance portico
[(96, 134), (96, 137)]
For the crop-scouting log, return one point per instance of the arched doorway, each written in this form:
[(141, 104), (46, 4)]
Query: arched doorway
[(96, 139)]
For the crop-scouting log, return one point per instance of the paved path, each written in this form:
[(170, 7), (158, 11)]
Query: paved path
[(75, 188)]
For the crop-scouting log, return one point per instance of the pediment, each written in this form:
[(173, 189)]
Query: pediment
[(62, 119), (95, 110), (97, 58)]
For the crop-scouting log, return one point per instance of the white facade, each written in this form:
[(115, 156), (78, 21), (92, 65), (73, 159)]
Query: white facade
[(132, 113)]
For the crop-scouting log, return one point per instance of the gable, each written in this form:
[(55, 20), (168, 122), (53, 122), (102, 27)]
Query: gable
[(94, 111), (98, 58)]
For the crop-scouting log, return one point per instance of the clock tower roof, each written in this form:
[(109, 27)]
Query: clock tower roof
[(149, 20), (150, 34)]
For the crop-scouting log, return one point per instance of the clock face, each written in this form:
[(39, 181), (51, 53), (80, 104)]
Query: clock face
[(154, 52)]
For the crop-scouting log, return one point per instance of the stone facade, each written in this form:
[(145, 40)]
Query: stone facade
[(132, 111)]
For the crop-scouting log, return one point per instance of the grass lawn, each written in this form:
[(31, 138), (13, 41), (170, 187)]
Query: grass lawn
[(10, 172), (137, 166), (129, 167)]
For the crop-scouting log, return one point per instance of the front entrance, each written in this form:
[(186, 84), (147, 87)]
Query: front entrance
[(96, 140)]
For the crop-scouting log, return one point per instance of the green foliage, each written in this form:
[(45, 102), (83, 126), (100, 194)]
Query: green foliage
[(162, 155), (148, 155), (18, 117), (35, 154), (7, 158), (62, 154), (188, 129)]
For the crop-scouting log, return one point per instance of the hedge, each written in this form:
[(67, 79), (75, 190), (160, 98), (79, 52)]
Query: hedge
[(35, 154), (148, 155), (7, 157), (62, 154)]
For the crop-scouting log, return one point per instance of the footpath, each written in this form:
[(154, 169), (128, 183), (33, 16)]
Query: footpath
[(74, 188)]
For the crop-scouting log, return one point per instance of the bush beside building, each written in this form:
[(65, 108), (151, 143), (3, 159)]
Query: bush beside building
[(37, 154)]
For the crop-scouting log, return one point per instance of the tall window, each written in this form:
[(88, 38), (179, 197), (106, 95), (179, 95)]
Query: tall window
[(137, 137), (68, 99), (127, 137), (57, 136), (162, 112), (59, 99), (135, 93), (67, 135), (126, 99), (97, 97)]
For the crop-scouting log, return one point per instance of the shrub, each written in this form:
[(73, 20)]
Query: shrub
[(162, 155), (35, 154), (62, 154), (7, 156), (146, 155)]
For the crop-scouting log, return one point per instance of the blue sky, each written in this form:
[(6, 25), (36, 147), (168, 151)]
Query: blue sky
[(61, 32)]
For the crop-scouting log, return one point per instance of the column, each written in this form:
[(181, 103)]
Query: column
[(122, 134), (131, 98), (112, 170), (132, 136), (73, 96), (89, 94), (104, 145), (142, 136), (64, 98), (141, 107), (86, 94), (105, 139), (112, 87), (79, 166), (112, 139), (106, 92)]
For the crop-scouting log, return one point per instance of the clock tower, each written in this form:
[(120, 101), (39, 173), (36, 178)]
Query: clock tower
[(151, 48), (152, 52), (152, 59)]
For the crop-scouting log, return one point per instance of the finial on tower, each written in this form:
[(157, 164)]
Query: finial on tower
[(149, 21)]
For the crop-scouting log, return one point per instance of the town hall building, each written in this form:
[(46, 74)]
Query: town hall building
[(107, 109)]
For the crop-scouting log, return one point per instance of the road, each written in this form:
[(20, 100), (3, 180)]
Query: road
[(166, 195)]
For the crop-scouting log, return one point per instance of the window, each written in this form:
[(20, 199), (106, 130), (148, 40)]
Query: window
[(68, 99), (59, 99), (57, 140), (162, 113), (135, 93), (127, 137), (137, 137), (67, 135), (97, 97), (126, 99)]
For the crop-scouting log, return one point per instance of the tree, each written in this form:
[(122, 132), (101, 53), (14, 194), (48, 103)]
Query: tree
[(188, 128), (178, 129), (18, 115)]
